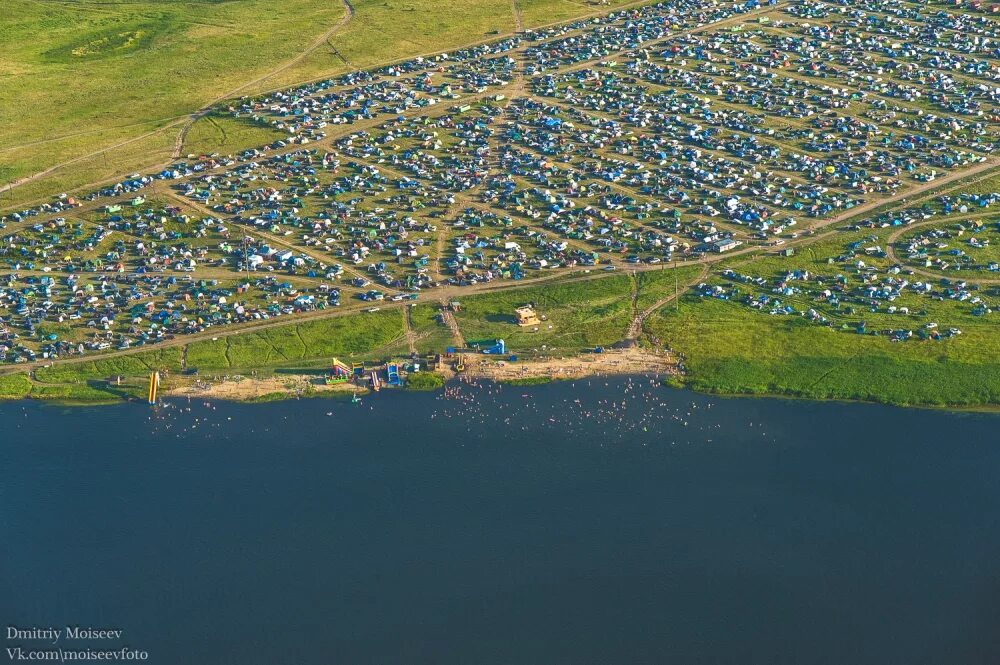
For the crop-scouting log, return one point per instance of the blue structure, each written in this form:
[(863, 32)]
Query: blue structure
[(498, 348)]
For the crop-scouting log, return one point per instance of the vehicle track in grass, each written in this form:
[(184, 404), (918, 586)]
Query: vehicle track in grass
[(317, 43), (635, 329), (411, 337), (185, 122), (890, 253)]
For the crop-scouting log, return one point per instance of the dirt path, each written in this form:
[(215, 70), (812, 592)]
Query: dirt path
[(99, 130), (890, 253), (518, 23), (55, 167), (411, 338), (449, 320), (635, 329), (185, 122), (913, 194), (317, 43)]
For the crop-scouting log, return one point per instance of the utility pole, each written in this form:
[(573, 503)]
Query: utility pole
[(246, 258), (677, 300)]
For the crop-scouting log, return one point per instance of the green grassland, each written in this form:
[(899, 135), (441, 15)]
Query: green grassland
[(729, 348), (432, 335), (349, 337), (225, 135), (89, 382), (81, 76), (388, 30), (655, 285), (579, 315), (301, 346)]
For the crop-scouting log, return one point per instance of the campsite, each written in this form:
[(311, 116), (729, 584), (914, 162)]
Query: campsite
[(699, 157)]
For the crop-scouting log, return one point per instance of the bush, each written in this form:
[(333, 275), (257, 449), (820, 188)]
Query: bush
[(424, 381)]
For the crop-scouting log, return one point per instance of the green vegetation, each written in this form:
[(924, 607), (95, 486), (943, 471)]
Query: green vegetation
[(424, 381), (359, 337), (226, 135), (14, 386), (735, 351), (984, 186), (90, 392), (530, 381), (731, 348), (432, 335), (544, 12), (139, 364), (579, 315), (91, 382), (268, 397), (657, 285), (82, 76), (953, 245)]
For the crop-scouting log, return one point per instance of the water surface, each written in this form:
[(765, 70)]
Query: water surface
[(592, 522)]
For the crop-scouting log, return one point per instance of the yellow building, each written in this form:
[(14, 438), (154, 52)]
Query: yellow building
[(526, 316)]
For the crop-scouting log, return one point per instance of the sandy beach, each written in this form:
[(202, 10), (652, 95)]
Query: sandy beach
[(611, 362), (251, 388)]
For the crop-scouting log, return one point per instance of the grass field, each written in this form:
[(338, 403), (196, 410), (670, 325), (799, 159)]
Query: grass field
[(302, 346), (734, 351), (355, 337), (225, 135), (82, 76), (730, 348), (579, 315), (89, 382)]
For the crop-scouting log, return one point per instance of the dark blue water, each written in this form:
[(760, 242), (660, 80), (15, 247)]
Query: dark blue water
[(508, 525)]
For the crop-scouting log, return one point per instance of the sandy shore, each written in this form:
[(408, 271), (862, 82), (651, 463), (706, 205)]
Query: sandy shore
[(614, 361), (249, 388)]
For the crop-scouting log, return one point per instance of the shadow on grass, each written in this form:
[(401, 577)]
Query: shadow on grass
[(308, 371)]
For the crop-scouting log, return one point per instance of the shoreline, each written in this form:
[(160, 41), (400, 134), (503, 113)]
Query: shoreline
[(252, 389), (616, 362), (632, 361)]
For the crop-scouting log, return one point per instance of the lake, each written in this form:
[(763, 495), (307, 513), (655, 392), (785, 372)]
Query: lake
[(600, 521)]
